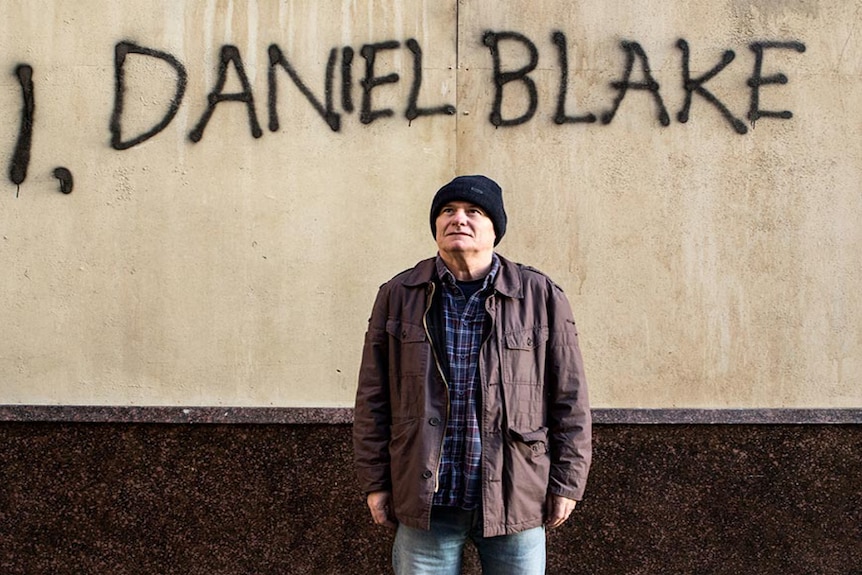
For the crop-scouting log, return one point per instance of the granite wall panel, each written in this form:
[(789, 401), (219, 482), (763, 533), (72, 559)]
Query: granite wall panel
[(119, 498)]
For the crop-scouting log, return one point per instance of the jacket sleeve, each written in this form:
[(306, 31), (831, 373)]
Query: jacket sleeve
[(569, 419), (372, 412)]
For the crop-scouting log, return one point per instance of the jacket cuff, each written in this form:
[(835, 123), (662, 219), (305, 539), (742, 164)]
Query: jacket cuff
[(374, 479), (573, 489)]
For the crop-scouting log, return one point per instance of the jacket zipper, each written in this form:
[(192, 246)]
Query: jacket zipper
[(430, 291)]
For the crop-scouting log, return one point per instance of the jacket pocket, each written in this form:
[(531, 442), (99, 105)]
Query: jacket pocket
[(408, 357), (404, 331), (408, 352), (529, 467), (527, 339), (524, 355), (534, 443)]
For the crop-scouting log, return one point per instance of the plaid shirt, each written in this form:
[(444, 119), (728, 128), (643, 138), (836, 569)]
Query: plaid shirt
[(463, 321)]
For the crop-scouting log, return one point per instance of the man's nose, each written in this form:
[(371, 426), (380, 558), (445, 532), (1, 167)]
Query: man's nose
[(459, 217)]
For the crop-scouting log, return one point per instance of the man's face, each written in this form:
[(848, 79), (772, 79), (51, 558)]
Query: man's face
[(464, 227)]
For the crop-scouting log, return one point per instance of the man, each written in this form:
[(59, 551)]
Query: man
[(471, 419)]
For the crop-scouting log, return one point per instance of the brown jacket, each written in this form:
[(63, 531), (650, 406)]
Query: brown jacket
[(534, 412)]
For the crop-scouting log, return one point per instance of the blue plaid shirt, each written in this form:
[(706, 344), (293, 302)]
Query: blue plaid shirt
[(463, 322)]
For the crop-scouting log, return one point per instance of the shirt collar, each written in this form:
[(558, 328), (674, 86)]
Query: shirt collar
[(447, 277)]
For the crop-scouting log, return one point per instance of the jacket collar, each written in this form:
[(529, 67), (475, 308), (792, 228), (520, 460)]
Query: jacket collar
[(507, 283)]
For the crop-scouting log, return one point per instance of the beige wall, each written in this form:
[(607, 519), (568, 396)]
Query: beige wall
[(707, 268)]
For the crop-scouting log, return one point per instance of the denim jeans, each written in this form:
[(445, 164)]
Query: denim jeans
[(439, 551)]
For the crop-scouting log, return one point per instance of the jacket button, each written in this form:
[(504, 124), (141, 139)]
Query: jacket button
[(434, 421), (426, 474)]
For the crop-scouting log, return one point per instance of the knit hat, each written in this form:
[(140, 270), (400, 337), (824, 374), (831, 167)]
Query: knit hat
[(479, 190)]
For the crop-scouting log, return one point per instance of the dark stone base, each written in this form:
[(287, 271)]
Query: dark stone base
[(119, 498)]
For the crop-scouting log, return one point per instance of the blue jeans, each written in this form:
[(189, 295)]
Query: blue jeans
[(439, 551)]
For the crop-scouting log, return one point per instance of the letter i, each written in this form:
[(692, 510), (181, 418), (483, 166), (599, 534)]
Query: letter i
[(21, 157)]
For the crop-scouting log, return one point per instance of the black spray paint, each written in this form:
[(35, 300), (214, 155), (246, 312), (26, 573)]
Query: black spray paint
[(121, 50), (560, 117), (634, 51), (229, 55), (326, 111), (413, 109), (757, 79), (65, 177), (504, 73), (21, 155), (347, 79), (492, 41), (695, 85), (368, 114)]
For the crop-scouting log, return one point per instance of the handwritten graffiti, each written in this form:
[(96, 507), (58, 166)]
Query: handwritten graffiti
[(413, 110), (121, 50), (65, 178), (501, 78), (326, 111), (504, 73), (231, 59), (560, 117), (21, 156), (331, 105), (229, 55), (757, 80), (692, 86), (634, 52)]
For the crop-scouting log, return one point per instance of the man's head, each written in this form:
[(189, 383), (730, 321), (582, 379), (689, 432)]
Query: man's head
[(477, 190)]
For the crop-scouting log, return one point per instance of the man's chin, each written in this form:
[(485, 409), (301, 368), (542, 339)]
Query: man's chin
[(457, 247)]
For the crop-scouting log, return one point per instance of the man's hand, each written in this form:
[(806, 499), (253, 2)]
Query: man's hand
[(380, 504), (558, 509)]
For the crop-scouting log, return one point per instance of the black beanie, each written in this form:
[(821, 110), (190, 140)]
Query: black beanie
[(479, 190)]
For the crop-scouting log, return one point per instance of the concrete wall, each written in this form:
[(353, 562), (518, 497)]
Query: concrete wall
[(222, 244), (171, 241)]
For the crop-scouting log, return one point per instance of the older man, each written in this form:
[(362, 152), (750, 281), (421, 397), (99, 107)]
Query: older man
[(472, 419)]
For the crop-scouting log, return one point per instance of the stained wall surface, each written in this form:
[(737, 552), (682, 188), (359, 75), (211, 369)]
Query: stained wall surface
[(241, 176)]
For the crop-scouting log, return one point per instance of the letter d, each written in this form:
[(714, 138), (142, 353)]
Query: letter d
[(120, 51)]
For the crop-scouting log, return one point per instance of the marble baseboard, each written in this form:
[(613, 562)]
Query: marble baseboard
[(142, 498)]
